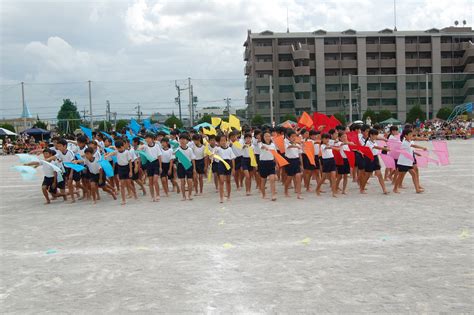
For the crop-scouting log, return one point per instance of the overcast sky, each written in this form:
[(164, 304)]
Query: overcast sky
[(134, 50)]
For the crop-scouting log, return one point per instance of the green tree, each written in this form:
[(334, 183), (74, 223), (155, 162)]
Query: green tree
[(205, 118), (68, 117), (289, 117), (341, 117), (258, 120), (105, 125), (414, 113), (121, 123), (444, 113), (8, 127), (173, 120), (370, 113), (384, 114)]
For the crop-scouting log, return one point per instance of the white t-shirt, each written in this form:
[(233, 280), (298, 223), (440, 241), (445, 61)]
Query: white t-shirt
[(133, 154), (154, 151), (292, 153), (237, 152), (48, 171), (123, 158), (65, 157), (266, 155), (94, 166), (256, 146), (188, 152), (227, 153), (402, 159), (371, 144), (167, 156), (198, 152), (326, 153), (245, 150)]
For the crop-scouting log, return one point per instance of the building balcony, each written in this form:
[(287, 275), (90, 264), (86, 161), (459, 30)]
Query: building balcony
[(446, 46), (246, 54), (372, 47), (248, 84), (262, 97), (248, 99), (469, 53), (285, 65), (331, 64), (300, 54), (262, 50), (373, 79), (373, 63), (302, 103), (349, 64), (424, 47), (262, 81), (373, 94), (350, 48), (469, 67), (388, 47), (411, 63), (302, 87), (333, 95), (425, 62), (331, 48), (468, 85), (388, 79), (287, 96), (247, 69), (413, 93), (388, 63), (263, 65), (286, 81), (388, 94), (411, 47), (332, 79), (303, 70), (284, 49)]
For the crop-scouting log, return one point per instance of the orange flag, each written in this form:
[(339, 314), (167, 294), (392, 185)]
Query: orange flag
[(279, 159), (305, 120), (309, 151), (280, 143)]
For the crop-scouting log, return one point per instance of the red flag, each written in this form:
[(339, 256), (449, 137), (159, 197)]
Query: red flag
[(351, 158), (319, 120), (353, 137), (335, 121), (338, 157), (305, 120), (364, 150)]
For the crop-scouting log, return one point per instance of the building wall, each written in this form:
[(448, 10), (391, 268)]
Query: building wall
[(310, 71)]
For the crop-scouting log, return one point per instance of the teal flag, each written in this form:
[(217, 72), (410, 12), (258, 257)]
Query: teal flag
[(183, 159)]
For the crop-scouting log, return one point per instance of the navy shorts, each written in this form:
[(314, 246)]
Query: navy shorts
[(345, 168), (123, 171), (294, 167), (48, 183), (329, 165), (76, 176), (165, 167), (184, 173), (222, 170), (61, 184), (214, 166), (238, 163), (135, 175), (404, 168), (246, 164), (371, 166), (307, 164), (359, 161), (266, 168), (95, 178), (199, 166), (153, 168)]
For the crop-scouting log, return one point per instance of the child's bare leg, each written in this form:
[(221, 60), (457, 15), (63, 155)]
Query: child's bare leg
[(381, 181), (228, 186), (183, 187), (221, 188), (273, 186), (297, 182), (152, 188), (263, 182), (333, 183), (190, 188), (122, 190), (45, 191)]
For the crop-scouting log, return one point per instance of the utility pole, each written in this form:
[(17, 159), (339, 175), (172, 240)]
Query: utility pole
[(272, 121), (23, 104), (107, 111), (227, 107), (90, 105), (139, 113), (115, 121), (178, 99), (427, 98), (191, 106), (350, 99)]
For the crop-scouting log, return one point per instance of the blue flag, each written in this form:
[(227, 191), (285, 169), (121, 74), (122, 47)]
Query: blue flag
[(108, 169), (87, 132), (108, 150), (129, 136), (147, 124), (76, 167), (134, 126)]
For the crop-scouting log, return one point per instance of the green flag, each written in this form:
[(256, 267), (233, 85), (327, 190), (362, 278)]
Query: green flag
[(183, 159)]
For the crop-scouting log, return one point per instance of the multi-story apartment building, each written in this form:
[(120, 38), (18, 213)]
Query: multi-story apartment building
[(388, 70)]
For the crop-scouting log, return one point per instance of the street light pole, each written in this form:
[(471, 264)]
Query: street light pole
[(350, 98), (90, 105), (272, 121)]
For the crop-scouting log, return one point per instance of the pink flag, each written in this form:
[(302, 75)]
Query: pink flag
[(394, 147), (424, 159), (406, 154), (388, 161), (443, 157), (440, 145)]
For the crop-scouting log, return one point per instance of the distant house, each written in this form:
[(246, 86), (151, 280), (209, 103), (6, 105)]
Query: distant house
[(214, 111), (19, 123)]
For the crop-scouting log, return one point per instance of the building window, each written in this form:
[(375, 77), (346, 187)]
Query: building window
[(286, 88), (373, 86), (373, 102), (262, 43), (349, 56), (332, 87), (372, 56), (302, 95), (332, 103), (285, 73), (302, 79), (388, 86), (372, 40), (263, 105), (331, 41), (331, 72), (389, 101), (348, 40), (331, 56), (373, 71), (264, 58), (287, 104), (263, 89), (388, 71), (264, 74), (284, 57), (425, 54)]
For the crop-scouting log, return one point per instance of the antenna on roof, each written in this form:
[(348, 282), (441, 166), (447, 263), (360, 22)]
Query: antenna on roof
[(287, 26), (395, 15)]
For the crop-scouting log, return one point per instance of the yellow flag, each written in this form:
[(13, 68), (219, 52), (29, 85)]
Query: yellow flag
[(224, 126), (215, 121), (217, 157), (207, 151), (237, 144), (210, 131), (209, 173), (253, 160), (234, 122)]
